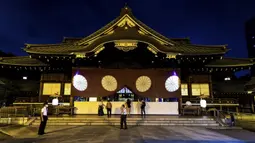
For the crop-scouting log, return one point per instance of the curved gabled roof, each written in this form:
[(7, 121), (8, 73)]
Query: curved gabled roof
[(125, 27)]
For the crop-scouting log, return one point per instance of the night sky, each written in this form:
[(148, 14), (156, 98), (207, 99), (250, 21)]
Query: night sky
[(48, 21)]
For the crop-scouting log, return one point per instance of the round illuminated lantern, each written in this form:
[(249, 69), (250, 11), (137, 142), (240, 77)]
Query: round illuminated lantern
[(80, 82), (109, 83), (188, 103), (55, 101), (172, 83), (143, 83), (203, 103)]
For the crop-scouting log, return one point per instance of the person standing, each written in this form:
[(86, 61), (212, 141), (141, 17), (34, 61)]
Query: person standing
[(232, 118), (123, 117), (143, 104), (128, 107), (44, 118), (101, 109), (109, 108)]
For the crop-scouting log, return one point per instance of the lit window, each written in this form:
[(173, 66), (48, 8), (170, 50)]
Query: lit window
[(184, 89), (51, 88), (227, 78), (198, 89), (67, 90)]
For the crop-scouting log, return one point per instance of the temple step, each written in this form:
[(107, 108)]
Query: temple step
[(117, 121), (131, 124), (103, 121)]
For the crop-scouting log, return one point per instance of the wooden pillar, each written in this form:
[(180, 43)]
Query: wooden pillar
[(62, 89), (189, 87), (72, 104), (252, 103), (41, 89), (71, 101), (237, 109), (210, 86), (180, 105)]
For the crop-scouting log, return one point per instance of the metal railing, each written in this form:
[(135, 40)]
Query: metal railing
[(241, 115), (13, 115), (219, 116), (214, 100)]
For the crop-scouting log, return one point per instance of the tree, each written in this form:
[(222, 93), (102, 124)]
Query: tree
[(3, 54)]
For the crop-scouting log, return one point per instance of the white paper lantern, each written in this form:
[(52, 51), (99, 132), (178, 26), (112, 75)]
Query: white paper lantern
[(188, 103), (203, 103), (80, 82), (55, 101), (172, 83)]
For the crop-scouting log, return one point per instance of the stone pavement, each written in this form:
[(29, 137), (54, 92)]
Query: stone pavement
[(136, 134)]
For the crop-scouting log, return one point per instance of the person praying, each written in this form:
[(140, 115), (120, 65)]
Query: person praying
[(44, 118)]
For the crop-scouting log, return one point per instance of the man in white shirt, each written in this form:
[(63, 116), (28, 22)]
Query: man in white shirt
[(44, 118), (123, 117)]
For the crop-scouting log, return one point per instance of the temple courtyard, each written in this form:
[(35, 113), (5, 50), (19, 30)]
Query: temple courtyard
[(135, 134)]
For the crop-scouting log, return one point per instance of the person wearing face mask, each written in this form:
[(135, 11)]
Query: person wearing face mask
[(44, 118)]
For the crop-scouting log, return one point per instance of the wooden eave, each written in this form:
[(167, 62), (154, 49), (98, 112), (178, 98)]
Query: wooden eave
[(231, 62), (54, 49), (21, 61)]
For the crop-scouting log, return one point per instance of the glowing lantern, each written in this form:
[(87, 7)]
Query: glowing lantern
[(203, 103), (55, 101)]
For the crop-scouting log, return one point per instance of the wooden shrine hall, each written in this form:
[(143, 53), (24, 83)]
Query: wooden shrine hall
[(123, 60)]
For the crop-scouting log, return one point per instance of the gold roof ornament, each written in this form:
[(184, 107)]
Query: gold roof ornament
[(126, 45)]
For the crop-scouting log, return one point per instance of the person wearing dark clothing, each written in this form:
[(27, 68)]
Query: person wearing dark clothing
[(128, 106), (101, 109), (44, 118), (109, 109), (123, 117), (232, 119), (143, 104)]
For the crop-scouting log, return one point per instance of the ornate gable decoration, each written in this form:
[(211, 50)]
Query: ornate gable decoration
[(126, 45), (126, 20)]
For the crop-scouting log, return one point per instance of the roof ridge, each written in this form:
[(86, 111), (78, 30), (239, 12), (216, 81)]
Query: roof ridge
[(47, 45), (212, 46)]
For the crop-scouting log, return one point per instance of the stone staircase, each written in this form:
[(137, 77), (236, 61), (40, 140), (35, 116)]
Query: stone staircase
[(131, 121)]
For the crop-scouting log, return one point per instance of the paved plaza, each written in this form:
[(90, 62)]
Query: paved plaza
[(136, 134)]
